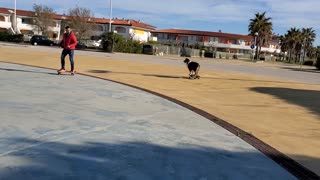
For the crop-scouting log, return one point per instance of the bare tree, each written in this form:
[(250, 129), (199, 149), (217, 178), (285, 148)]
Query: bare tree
[(43, 18), (81, 22)]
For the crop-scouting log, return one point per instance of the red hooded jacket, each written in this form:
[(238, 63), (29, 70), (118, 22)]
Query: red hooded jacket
[(69, 41)]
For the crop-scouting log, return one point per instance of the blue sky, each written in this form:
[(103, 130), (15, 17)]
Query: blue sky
[(231, 16)]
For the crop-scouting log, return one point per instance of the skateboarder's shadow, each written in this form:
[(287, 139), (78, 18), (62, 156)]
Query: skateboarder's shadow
[(23, 70)]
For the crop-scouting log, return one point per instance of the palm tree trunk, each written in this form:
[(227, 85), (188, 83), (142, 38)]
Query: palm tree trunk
[(290, 55)]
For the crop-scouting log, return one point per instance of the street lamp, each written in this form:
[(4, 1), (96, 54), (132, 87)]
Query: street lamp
[(15, 16), (255, 43), (13, 23), (110, 16), (279, 47), (302, 53)]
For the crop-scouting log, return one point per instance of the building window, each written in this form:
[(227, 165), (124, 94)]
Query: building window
[(121, 29), (183, 38), (232, 41), (97, 28), (160, 36), (26, 21), (2, 18), (23, 31), (172, 37), (200, 38), (213, 39)]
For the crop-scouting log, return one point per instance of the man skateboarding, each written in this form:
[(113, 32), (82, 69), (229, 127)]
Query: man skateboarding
[(68, 44)]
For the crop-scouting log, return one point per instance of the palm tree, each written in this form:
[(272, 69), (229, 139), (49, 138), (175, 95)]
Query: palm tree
[(291, 41), (318, 57), (263, 26), (284, 44), (295, 40), (309, 36)]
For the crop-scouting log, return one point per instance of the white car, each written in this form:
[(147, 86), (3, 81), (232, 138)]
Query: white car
[(97, 43)]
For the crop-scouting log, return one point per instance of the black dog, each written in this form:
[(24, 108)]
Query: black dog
[(193, 67)]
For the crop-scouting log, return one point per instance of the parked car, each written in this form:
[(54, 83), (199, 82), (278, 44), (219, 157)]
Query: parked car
[(97, 44), (81, 45), (41, 40)]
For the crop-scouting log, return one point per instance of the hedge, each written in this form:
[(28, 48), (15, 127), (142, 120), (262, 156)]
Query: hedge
[(120, 44), (4, 36)]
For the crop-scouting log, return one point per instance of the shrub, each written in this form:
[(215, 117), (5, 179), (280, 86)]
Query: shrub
[(18, 38), (318, 63), (153, 42), (4, 36), (120, 44), (227, 56), (235, 56), (308, 63)]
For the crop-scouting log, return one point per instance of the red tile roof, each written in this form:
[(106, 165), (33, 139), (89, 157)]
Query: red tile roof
[(204, 33), (26, 13), (123, 22)]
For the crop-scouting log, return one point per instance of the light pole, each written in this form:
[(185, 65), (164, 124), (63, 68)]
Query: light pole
[(14, 12), (15, 16), (302, 53), (279, 47), (110, 16), (255, 43)]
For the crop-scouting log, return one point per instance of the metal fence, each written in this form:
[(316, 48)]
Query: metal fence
[(178, 51)]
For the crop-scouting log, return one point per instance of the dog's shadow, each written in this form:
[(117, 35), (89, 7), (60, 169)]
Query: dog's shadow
[(166, 76), (154, 75)]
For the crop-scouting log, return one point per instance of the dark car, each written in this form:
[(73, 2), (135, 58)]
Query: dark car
[(41, 40), (81, 45)]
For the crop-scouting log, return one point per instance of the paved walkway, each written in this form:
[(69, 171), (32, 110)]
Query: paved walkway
[(78, 127), (283, 114)]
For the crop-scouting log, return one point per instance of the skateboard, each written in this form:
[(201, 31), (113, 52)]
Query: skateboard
[(194, 77), (66, 72)]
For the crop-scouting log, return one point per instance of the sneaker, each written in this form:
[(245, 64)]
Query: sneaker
[(61, 70), (72, 72)]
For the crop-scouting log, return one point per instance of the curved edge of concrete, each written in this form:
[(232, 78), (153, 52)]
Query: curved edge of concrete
[(283, 160)]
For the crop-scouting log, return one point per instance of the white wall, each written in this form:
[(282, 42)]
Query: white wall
[(6, 23), (143, 37), (130, 31)]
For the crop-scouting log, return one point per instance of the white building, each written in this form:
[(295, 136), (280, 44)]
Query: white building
[(129, 29), (219, 41)]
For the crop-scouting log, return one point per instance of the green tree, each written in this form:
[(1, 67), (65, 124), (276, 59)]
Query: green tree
[(295, 39), (43, 18), (291, 41), (120, 44), (309, 36), (263, 26)]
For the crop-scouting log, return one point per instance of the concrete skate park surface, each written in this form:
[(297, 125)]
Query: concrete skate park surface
[(85, 128), (282, 113)]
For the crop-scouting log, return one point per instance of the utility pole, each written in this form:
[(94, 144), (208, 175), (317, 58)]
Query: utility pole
[(15, 16), (110, 17), (255, 43)]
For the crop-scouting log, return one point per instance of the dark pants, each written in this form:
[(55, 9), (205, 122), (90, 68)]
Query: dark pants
[(64, 53)]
